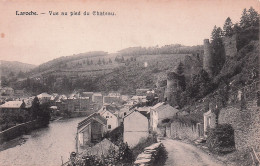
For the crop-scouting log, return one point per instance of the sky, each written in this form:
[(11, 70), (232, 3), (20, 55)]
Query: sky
[(36, 39)]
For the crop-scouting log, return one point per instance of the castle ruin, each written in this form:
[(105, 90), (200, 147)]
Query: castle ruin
[(230, 48)]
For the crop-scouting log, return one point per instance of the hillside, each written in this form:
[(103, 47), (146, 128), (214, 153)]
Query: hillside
[(96, 71), (14, 67)]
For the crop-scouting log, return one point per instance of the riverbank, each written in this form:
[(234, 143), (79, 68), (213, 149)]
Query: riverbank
[(13, 143), (21, 129), (44, 146)]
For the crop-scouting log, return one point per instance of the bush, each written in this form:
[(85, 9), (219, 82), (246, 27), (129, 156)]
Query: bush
[(139, 148), (161, 156), (221, 139)]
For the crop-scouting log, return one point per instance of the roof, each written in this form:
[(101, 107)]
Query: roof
[(208, 113), (157, 105), (97, 94), (95, 116), (133, 112), (88, 93), (164, 107), (61, 97), (43, 95), (12, 104)]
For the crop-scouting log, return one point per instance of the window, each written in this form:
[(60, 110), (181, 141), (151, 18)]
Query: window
[(109, 126), (107, 116)]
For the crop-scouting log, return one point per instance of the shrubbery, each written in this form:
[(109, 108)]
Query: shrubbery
[(124, 156), (221, 139)]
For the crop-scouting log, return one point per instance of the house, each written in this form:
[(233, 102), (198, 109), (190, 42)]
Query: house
[(15, 108), (88, 94), (135, 128), (44, 97), (97, 98), (160, 112), (125, 97), (54, 98), (76, 103), (100, 149), (209, 121), (110, 99), (139, 99), (61, 103), (112, 119), (90, 131), (122, 113)]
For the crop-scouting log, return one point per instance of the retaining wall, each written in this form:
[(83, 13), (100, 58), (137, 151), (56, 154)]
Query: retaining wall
[(184, 131), (18, 130), (246, 125)]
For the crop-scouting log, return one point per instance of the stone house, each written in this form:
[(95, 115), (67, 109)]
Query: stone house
[(90, 131), (112, 119), (15, 109), (97, 98), (136, 128), (44, 97), (78, 104), (88, 94), (160, 112)]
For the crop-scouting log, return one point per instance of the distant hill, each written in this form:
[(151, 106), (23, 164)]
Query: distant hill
[(14, 67), (99, 71)]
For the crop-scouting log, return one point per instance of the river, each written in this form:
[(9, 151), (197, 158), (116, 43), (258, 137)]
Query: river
[(47, 146)]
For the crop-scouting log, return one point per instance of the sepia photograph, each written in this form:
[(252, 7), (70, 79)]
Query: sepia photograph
[(129, 83)]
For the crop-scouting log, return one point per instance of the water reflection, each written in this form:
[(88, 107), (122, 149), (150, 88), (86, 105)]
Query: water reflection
[(46, 146)]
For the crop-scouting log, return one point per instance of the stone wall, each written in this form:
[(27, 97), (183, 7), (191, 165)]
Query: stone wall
[(230, 45), (184, 131), (18, 130), (207, 58), (246, 124)]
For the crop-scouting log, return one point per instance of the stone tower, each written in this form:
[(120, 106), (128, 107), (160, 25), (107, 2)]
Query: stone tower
[(172, 86), (207, 58)]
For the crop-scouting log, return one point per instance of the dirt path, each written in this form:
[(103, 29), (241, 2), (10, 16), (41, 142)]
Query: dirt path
[(182, 154)]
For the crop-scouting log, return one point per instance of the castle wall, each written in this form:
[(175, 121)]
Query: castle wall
[(172, 85), (207, 58), (230, 46)]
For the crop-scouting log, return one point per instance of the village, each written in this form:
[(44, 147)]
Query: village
[(167, 105)]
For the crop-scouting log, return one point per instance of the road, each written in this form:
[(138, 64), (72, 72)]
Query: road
[(183, 154)]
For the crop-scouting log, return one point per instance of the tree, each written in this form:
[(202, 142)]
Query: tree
[(35, 109), (218, 51), (244, 20), (253, 17), (4, 81), (20, 74), (227, 28), (11, 74), (99, 61)]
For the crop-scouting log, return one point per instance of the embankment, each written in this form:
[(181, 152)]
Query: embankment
[(20, 129)]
